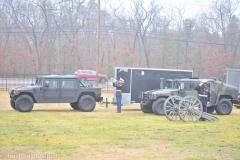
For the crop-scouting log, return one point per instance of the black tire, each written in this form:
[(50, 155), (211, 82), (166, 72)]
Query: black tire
[(13, 104), (211, 109), (146, 108), (83, 79), (102, 80), (224, 107), (74, 105), (24, 103), (158, 106), (86, 103)]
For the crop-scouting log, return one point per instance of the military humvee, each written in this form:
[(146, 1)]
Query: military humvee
[(222, 96), (55, 89)]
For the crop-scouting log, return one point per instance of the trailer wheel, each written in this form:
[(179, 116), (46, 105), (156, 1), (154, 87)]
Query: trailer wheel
[(224, 107), (146, 108), (24, 103), (74, 105), (158, 106), (12, 103), (86, 103)]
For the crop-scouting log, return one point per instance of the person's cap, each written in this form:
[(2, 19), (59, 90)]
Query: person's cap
[(121, 79), (201, 84)]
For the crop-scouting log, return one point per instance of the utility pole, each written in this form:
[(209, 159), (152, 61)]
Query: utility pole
[(98, 43)]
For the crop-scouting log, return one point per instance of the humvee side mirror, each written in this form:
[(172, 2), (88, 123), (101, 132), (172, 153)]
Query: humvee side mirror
[(182, 86), (161, 83), (46, 85)]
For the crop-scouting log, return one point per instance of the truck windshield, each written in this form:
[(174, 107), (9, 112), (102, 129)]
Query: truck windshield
[(171, 85)]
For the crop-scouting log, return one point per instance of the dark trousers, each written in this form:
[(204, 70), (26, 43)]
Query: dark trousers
[(119, 104), (204, 110)]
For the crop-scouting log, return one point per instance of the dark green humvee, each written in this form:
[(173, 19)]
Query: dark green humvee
[(55, 89), (222, 96)]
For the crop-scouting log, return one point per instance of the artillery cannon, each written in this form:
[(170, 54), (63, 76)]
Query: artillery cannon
[(187, 109)]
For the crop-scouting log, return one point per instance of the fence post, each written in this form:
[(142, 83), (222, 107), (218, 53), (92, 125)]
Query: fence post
[(6, 81)]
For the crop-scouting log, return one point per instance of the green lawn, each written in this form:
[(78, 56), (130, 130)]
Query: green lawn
[(55, 131)]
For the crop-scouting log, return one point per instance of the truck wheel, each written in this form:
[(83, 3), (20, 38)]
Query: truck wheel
[(146, 108), (86, 103), (13, 104), (211, 109), (102, 80), (83, 79), (74, 105), (24, 103), (224, 107), (158, 106)]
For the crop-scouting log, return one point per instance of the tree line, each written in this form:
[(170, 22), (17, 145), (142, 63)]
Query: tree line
[(60, 36)]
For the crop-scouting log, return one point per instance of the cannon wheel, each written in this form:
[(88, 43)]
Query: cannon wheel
[(190, 109), (171, 107)]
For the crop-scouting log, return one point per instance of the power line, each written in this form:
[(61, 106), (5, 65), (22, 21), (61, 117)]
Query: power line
[(108, 31)]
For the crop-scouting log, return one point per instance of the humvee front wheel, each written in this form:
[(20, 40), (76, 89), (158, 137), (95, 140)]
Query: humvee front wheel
[(224, 107), (24, 103), (86, 103), (146, 108), (74, 105), (12, 103), (158, 106)]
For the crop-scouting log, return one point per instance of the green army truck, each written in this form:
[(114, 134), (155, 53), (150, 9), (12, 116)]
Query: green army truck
[(222, 96)]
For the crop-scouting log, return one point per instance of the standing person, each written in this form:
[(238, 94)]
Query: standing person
[(204, 96), (118, 85)]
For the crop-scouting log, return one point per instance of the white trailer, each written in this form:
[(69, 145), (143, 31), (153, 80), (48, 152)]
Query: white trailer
[(144, 79), (233, 77)]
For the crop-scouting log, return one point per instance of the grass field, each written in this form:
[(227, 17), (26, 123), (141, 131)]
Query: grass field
[(56, 131)]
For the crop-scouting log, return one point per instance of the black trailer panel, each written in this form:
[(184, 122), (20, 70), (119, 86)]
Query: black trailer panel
[(143, 79)]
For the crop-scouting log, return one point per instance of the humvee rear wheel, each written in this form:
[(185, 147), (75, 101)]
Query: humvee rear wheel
[(158, 106), (86, 103), (146, 108), (171, 107), (24, 103), (13, 104), (224, 107), (74, 105)]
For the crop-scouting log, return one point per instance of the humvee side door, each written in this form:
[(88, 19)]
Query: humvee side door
[(188, 89), (68, 90), (51, 91)]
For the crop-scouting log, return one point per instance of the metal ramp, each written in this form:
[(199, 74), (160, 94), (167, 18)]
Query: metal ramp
[(205, 115)]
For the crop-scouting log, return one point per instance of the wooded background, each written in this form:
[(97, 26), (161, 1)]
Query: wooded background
[(60, 36)]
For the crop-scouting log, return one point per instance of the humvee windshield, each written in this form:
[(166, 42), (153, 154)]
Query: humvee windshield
[(39, 82), (171, 84)]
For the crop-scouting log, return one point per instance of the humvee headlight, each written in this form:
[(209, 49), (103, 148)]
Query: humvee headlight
[(153, 96), (16, 92)]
